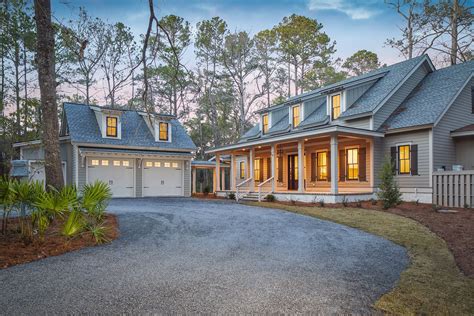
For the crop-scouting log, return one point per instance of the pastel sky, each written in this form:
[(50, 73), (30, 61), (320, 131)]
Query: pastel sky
[(354, 25)]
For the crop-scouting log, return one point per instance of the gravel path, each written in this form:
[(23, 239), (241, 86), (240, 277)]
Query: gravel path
[(189, 256)]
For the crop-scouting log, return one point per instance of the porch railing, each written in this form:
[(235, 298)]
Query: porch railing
[(242, 188), (453, 188), (265, 188)]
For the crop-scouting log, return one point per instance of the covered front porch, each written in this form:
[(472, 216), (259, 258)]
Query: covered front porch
[(330, 166)]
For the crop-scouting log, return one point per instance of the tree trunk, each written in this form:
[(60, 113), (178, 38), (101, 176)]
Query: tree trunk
[(454, 32), (47, 83), (25, 80), (17, 89), (410, 34), (289, 79)]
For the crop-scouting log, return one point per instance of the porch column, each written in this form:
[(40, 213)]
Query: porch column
[(218, 172), (301, 166), (273, 165), (251, 155), (194, 181), (334, 164), (223, 179), (232, 172)]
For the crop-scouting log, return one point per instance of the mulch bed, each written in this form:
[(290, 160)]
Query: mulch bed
[(457, 229), (13, 250)]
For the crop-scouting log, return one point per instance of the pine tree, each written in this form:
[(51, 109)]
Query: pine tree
[(388, 193)]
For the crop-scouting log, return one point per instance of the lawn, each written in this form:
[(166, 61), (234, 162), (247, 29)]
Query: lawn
[(432, 283)]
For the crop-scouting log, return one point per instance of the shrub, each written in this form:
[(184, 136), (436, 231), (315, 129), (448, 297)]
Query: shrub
[(321, 203), (270, 198), (98, 232), (388, 192), (94, 199), (231, 196)]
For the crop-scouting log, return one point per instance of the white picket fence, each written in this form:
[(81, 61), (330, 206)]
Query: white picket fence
[(453, 188)]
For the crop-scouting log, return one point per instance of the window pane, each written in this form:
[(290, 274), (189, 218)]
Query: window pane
[(95, 162), (175, 165), (105, 162), (256, 173), (296, 116), (336, 106), (296, 167), (148, 164), (163, 127), (404, 159), (125, 163), (242, 170), (322, 166), (116, 163), (167, 164), (352, 163), (157, 164), (111, 126), (265, 123)]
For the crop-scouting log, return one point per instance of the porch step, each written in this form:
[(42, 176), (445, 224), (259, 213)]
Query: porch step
[(251, 196)]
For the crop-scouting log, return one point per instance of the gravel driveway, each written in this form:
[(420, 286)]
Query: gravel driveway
[(189, 256)]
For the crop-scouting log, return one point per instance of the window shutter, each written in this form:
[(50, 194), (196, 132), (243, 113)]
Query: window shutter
[(314, 166), (328, 159), (414, 159), (269, 168), (342, 165), (261, 169), (393, 159), (362, 165), (280, 169)]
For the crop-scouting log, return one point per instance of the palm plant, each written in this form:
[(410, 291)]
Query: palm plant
[(7, 199), (94, 199), (98, 232), (26, 194), (75, 223)]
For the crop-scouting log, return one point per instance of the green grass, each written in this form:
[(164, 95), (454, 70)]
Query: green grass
[(432, 283)]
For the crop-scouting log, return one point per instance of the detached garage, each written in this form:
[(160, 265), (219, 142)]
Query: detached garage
[(119, 174), (162, 178)]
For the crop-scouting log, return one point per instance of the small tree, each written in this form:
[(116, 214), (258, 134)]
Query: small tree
[(388, 193)]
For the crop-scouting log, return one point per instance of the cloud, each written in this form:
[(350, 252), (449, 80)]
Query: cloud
[(356, 10)]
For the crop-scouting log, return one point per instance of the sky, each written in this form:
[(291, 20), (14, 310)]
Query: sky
[(354, 25)]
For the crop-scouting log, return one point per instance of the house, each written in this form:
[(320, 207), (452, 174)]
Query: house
[(329, 144), (138, 154)]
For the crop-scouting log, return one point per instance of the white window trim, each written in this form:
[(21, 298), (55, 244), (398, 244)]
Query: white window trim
[(157, 132), (104, 126), (269, 121), (345, 161), (291, 115), (328, 153), (329, 103), (397, 163)]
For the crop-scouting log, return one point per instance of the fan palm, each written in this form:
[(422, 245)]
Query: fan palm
[(7, 199), (94, 199)]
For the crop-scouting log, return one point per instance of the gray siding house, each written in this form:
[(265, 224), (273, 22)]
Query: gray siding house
[(329, 144), (138, 154)]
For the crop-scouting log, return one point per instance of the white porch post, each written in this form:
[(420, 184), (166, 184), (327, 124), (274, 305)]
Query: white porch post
[(218, 172), (251, 157), (232, 172), (301, 166), (194, 181), (272, 151), (334, 164)]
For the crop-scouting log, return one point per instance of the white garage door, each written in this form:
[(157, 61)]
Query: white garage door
[(162, 178), (117, 173)]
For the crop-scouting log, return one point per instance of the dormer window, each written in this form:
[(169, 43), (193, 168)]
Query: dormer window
[(335, 106), (163, 131), (265, 123), (111, 126), (295, 114)]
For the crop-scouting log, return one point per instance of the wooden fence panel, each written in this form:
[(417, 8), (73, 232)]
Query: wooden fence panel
[(453, 188)]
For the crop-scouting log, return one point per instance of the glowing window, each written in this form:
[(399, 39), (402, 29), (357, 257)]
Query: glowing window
[(149, 164), (125, 163), (163, 131), (265, 123), (296, 115), (256, 168), (111, 130), (157, 164), (336, 106), (352, 163), (404, 159), (295, 164), (95, 162), (116, 162), (167, 164), (175, 165), (242, 169), (105, 162), (322, 165)]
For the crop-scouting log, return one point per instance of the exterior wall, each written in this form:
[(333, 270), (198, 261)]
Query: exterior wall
[(363, 123), (465, 152), (277, 114), (32, 153), (356, 92), (379, 157), (311, 105), (457, 116), (187, 177), (420, 138), (138, 177), (399, 96), (82, 171)]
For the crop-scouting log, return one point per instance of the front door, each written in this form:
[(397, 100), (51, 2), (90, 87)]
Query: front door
[(292, 172)]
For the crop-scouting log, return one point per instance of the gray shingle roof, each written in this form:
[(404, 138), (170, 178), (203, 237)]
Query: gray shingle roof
[(430, 99), (84, 128), (319, 115), (252, 132), (382, 88), (279, 126)]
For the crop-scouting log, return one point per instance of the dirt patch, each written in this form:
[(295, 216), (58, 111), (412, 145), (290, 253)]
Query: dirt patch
[(457, 229), (13, 249)]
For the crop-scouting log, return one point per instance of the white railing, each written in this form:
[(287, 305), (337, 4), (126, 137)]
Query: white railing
[(453, 188), (240, 188), (262, 186)]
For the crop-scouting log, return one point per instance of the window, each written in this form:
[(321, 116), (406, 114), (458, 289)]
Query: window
[(125, 163), (335, 106), (256, 168), (111, 130), (105, 162), (175, 165), (295, 164), (95, 162), (148, 164), (352, 163), (163, 131), (157, 164), (167, 164), (322, 167), (404, 159), (242, 169), (296, 115), (265, 123), (117, 163)]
